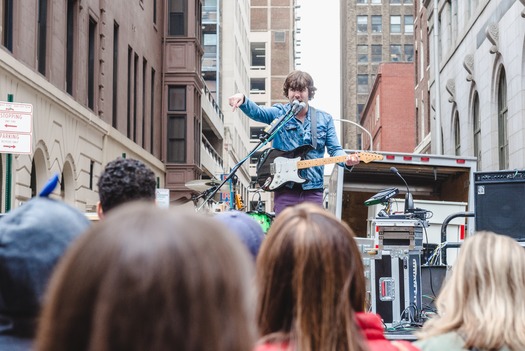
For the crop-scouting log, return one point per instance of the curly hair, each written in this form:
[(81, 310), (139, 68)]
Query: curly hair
[(125, 180), (299, 80)]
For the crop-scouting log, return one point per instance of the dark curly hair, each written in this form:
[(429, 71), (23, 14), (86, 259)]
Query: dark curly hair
[(125, 180)]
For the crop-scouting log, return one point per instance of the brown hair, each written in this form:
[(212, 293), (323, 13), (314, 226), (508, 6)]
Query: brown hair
[(311, 281), (299, 80), (151, 279)]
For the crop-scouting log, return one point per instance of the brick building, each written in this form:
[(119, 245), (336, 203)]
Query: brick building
[(389, 111)]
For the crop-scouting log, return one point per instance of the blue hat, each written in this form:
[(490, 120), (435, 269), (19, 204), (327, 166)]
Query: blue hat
[(245, 227), (32, 239)]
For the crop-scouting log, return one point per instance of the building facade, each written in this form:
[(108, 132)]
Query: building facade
[(92, 70), (481, 68), (272, 39), (372, 31), (389, 111), (421, 75)]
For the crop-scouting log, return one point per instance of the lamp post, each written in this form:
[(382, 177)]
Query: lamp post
[(360, 126)]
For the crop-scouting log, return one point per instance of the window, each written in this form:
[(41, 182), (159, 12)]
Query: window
[(362, 83), (7, 24), (115, 74), (154, 11), (176, 124), (152, 112), (395, 24), (176, 139), (360, 108), (377, 53), (395, 2), (362, 53), (177, 98), (91, 63), (395, 53), (503, 142), (375, 2), (376, 24), (409, 24), (457, 134), (177, 17), (362, 24), (255, 157), (70, 44), (255, 132), (361, 1), (257, 85), (409, 52), (128, 97), (477, 128), (279, 37), (42, 36), (258, 54)]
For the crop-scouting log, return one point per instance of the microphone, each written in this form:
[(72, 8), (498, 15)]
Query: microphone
[(409, 201), (294, 110)]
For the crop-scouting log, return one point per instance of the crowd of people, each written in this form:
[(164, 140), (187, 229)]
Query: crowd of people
[(149, 278)]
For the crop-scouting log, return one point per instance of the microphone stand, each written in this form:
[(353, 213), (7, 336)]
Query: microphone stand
[(264, 140)]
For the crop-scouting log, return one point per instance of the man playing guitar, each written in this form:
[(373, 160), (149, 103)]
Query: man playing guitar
[(309, 127)]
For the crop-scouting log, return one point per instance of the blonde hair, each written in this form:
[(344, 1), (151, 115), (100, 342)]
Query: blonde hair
[(311, 281), (483, 298)]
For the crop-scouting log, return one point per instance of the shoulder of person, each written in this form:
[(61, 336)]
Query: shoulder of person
[(451, 341), (272, 346)]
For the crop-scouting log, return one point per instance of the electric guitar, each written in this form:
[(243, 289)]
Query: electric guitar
[(276, 167)]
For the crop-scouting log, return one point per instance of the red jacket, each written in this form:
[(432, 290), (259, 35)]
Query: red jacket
[(373, 332)]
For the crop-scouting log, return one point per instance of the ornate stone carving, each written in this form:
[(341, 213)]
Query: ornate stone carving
[(468, 64), (523, 11), (451, 89), (492, 33)]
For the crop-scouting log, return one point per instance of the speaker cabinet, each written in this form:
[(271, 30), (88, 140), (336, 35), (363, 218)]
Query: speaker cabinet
[(499, 202)]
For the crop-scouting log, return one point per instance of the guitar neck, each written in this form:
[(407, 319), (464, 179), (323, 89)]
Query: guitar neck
[(321, 161)]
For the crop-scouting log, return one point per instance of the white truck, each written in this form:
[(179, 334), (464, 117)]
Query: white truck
[(441, 184), (400, 275)]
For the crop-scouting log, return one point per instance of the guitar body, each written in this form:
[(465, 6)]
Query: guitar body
[(276, 167)]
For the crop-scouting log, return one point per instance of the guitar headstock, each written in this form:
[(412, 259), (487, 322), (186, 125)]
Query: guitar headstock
[(367, 157)]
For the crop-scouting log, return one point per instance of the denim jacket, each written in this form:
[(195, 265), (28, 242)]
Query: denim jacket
[(294, 134)]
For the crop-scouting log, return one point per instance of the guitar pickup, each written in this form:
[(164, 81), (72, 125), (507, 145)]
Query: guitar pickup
[(272, 168)]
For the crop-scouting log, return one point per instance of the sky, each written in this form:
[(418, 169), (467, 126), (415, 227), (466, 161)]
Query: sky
[(320, 51)]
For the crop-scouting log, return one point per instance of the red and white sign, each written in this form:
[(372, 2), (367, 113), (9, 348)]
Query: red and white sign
[(15, 143), (16, 126), (16, 117)]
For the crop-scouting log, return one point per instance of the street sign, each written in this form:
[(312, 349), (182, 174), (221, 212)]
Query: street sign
[(15, 143), (162, 198), (16, 117), (16, 126)]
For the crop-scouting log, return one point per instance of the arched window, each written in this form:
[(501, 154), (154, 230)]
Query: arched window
[(503, 141), (457, 134), (476, 123)]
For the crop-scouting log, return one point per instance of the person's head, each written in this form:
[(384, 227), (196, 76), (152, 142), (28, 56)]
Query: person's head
[(247, 229), (483, 296), (311, 280), (33, 237), (148, 278), (124, 180), (299, 82)]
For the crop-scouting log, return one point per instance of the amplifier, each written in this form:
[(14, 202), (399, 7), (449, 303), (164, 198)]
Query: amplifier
[(499, 199)]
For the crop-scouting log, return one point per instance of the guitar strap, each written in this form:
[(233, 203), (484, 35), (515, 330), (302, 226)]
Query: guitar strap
[(313, 126)]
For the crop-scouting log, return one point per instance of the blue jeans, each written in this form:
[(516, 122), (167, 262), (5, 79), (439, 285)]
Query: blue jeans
[(288, 197)]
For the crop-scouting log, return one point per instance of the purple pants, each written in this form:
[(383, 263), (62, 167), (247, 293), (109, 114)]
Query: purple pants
[(288, 197)]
